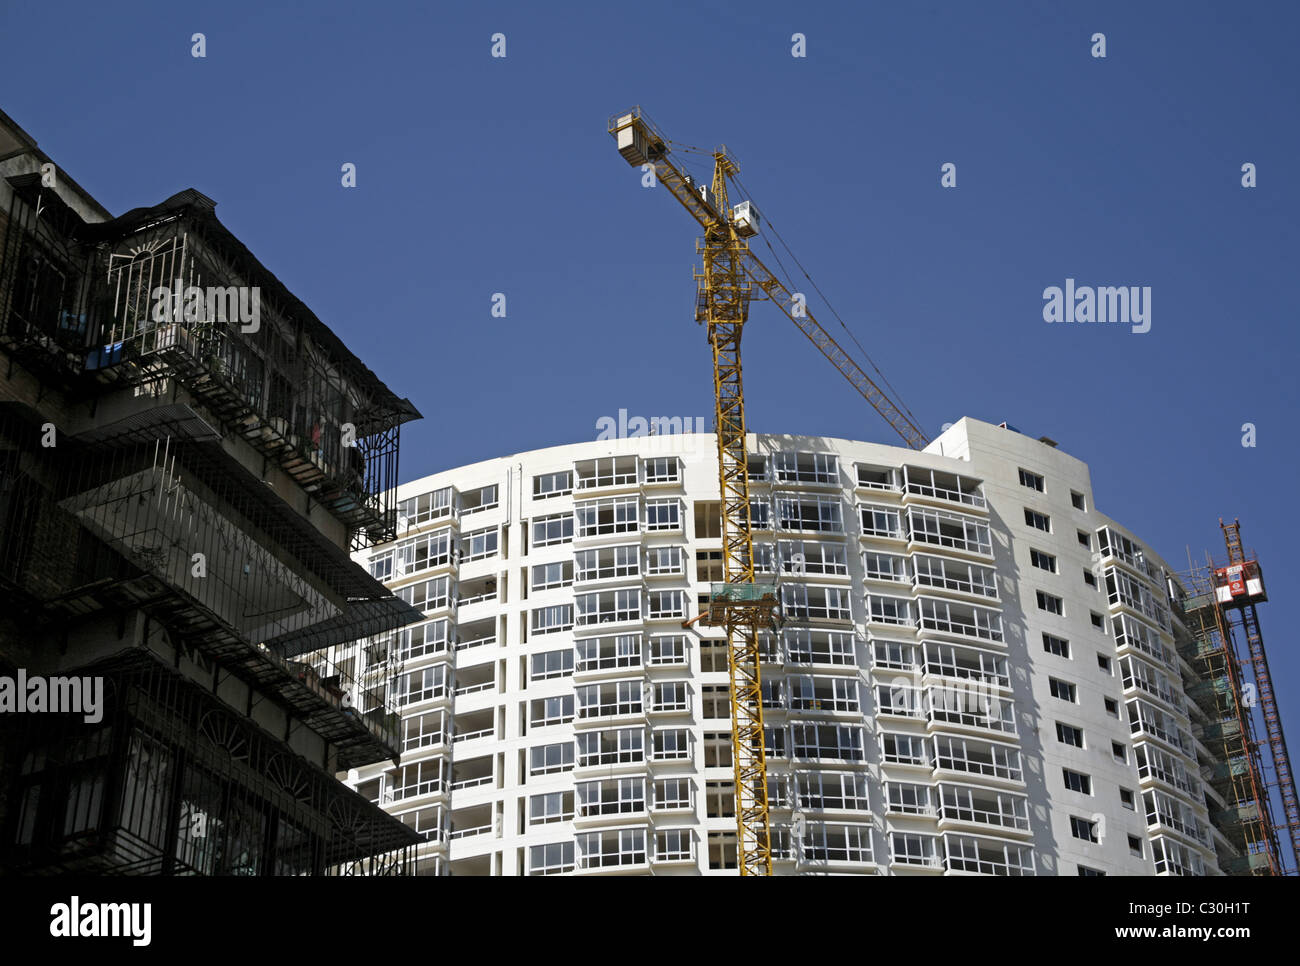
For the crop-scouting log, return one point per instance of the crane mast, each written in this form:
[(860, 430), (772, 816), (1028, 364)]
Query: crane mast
[(742, 605)]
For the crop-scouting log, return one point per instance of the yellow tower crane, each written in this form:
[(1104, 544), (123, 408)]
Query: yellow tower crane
[(742, 605)]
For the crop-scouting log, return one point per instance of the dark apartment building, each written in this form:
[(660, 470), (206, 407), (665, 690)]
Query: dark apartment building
[(187, 457)]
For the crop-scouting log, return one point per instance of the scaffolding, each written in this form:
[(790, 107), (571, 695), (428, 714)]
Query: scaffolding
[(1220, 610), (168, 524)]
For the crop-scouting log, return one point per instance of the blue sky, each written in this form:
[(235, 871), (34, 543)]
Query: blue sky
[(479, 175)]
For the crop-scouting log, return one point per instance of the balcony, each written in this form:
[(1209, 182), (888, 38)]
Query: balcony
[(881, 522), (1131, 633), (826, 648), (883, 478), (431, 596), (666, 605), (895, 656), (471, 774), (915, 852), (977, 856), (250, 610), (606, 474), (603, 519), (477, 501), (419, 643), (430, 822), (428, 554), (960, 805), (827, 742), (938, 486), (477, 591), (425, 509), (809, 514), (475, 679), (671, 746), (806, 469), (1174, 858), (674, 847), (1123, 590), (905, 798), (615, 750), (986, 759), (960, 620), (899, 701), (418, 780), (664, 516), (424, 732), (829, 791), (661, 471), (1165, 811), (424, 687), (666, 562), (718, 705), (612, 850), (670, 698), (890, 611), (607, 565), (1154, 764), (608, 608), (810, 602), (959, 577), (916, 863), (1147, 720), (610, 656), (1114, 545), (829, 847), (610, 701), (959, 663), (1137, 675), (475, 634), (469, 822), (473, 726), (965, 708), (898, 749), (667, 651), (952, 531), (614, 800)]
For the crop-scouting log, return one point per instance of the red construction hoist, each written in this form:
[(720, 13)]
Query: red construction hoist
[(1238, 587)]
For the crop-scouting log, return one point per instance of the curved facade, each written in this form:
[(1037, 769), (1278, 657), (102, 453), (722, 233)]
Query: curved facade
[(977, 671)]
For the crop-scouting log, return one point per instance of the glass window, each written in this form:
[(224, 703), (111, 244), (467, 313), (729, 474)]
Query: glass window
[(547, 759), (549, 620), (552, 530), (547, 485)]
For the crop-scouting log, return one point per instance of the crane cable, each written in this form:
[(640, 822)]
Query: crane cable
[(897, 399), (787, 275)]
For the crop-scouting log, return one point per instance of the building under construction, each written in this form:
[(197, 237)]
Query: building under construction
[(1249, 789), (187, 456)]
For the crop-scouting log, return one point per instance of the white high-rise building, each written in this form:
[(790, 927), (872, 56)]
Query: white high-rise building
[(976, 671)]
